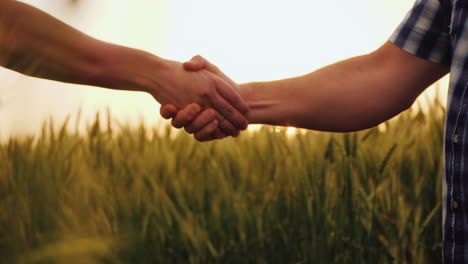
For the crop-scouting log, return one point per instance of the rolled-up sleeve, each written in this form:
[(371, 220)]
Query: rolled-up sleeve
[(425, 32)]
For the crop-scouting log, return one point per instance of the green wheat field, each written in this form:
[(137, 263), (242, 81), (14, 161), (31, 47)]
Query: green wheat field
[(120, 194)]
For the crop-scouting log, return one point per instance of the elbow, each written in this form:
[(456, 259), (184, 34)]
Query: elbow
[(372, 117), (382, 114), (403, 105)]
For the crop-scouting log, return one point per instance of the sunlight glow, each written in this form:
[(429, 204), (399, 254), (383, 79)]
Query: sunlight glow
[(291, 131), (248, 40)]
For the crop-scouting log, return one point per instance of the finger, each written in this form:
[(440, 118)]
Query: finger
[(236, 134), (226, 108), (200, 63), (225, 86), (203, 119), (226, 126), (218, 134), (206, 133), (185, 116), (168, 111), (231, 95), (196, 63), (206, 117)]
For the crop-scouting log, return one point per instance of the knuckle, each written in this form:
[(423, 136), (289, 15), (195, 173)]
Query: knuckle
[(219, 117), (206, 94), (185, 119), (227, 127), (209, 115), (229, 109)]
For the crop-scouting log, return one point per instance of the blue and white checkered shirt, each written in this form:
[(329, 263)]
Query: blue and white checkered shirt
[(437, 30)]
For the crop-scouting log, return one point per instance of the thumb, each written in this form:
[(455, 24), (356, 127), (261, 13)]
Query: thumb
[(196, 63), (168, 111)]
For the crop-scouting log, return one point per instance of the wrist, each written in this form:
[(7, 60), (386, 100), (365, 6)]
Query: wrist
[(266, 107), (123, 68), (258, 104)]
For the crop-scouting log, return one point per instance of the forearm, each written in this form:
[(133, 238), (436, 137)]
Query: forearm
[(350, 95), (36, 44), (335, 98)]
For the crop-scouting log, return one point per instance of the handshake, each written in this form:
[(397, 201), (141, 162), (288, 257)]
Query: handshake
[(217, 109), (350, 95)]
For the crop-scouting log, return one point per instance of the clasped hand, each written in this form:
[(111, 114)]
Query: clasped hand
[(208, 123)]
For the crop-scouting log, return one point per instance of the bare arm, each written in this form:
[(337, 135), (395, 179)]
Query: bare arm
[(350, 95), (36, 44)]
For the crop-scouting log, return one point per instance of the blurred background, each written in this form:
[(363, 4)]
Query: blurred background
[(265, 197), (249, 40)]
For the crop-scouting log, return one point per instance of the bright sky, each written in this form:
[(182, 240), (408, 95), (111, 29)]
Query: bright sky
[(249, 40)]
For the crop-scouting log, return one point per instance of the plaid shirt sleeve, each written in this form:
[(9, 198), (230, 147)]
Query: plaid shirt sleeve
[(424, 32)]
